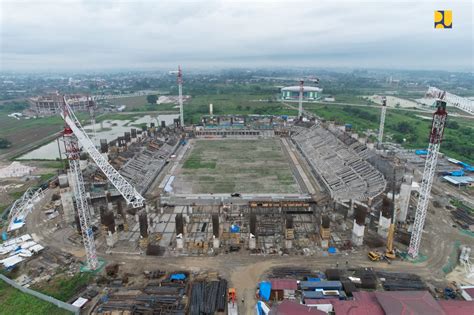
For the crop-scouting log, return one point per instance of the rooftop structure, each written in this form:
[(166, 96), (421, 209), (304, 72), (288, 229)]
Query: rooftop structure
[(50, 104), (310, 93)]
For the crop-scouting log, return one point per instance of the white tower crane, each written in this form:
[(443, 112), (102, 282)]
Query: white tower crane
[(128, 192), (300, 105), (382, 120), (180, 96), (73, 132), (73, 155), (436, 135), (91, 107), (462, 103)]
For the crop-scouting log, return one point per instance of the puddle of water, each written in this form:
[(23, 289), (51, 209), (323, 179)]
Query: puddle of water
[(113, 129)]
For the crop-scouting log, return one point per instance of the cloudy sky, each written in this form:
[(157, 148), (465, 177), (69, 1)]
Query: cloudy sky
[(150, 34)]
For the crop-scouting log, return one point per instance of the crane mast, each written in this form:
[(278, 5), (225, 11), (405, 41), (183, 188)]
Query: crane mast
[(382, 121), (436, 135), (180, 96), (300, 105), (73, 155)]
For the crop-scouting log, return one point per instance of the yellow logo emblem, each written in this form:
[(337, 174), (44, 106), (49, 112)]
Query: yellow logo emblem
[(443, 19)]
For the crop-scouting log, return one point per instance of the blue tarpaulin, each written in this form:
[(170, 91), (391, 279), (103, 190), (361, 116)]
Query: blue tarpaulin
[(331, 250), (234, 228), (313, 279), (4, 236), (265, 289), (466, 166), (421, 152), (178, 276)]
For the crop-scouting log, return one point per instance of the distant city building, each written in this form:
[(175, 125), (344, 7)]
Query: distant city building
[(293, 92), (51, 103)]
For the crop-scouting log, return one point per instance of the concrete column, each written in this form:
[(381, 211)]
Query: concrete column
[(358, 234), (350, 212), (384, 225), (404, 198)]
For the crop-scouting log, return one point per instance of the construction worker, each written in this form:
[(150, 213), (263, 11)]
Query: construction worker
[(242, 300)]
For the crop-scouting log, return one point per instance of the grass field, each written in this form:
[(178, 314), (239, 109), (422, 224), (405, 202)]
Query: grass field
[(13, 301), (245, 166), (224, 104)]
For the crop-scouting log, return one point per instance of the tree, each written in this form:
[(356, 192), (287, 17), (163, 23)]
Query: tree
[(152, 99), (4, 143)]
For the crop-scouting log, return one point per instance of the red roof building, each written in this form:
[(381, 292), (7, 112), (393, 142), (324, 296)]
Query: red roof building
[(408, 303), (452, 307), (293, 308), (357, 308), (284, 284)]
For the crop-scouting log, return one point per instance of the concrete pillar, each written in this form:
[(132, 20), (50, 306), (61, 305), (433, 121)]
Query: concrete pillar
[(358, 234), (404, 198), (111, 239), (384, 225), (385, 217), (252, 242), (359, 226), (350, 212), (216, 243)]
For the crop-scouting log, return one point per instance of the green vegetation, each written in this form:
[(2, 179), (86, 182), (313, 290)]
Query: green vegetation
[(246, 166), (151, 99), (244, 104), (4, 143), (13, 301), (195, 162), (459, 204), (64, 288), (404, 127)]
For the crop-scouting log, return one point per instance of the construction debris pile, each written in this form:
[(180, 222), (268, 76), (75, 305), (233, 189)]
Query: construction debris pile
[(16, 250)]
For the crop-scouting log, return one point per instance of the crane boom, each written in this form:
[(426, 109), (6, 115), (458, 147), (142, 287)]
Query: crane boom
[(436, 135), (462, 103), (130, 194)]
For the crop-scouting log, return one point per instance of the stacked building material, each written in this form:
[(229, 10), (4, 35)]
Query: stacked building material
[(463, 218), (208, 297), (401, 281), (292, 272)]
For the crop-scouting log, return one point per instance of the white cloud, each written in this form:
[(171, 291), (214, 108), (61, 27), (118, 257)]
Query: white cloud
[(127, 34)]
